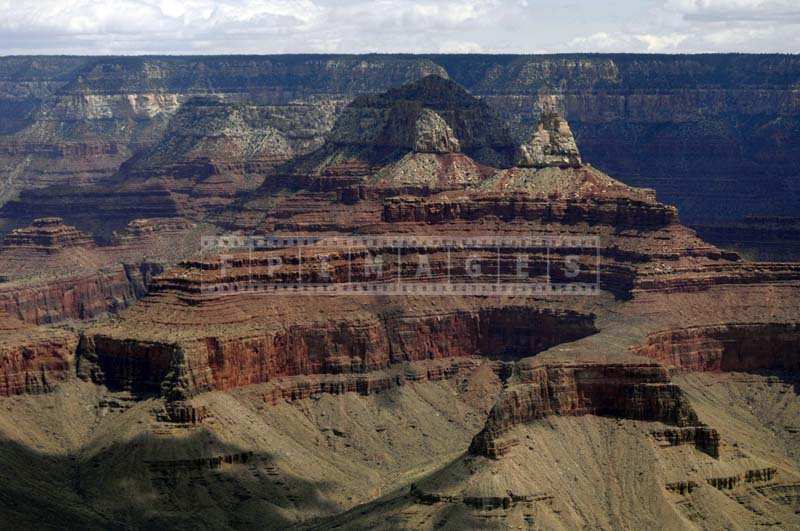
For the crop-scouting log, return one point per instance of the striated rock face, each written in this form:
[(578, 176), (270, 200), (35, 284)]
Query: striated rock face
[(369, 383), (552, 144), (711, 134), (582, 196), (433, 135), (732, 347), (716, 135), (433, 114), (44, 235), (76, 120), (430, 116), (75, 297), (32, 359), (143, 231), (374, 342), (763, 238), (211, 151), (53, 272), (425, 136), (640, 392), (205, 355)]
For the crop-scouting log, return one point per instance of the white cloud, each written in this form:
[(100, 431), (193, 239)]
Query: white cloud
[(735, 10), (662, 43), (677, 26), (278, 26), (619, 42), (460, 47), (736, 36), (600, 41)]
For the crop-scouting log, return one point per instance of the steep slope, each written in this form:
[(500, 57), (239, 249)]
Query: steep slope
[(83, 117), (714, 134), (290, 383), (53, 272), (210, 152)]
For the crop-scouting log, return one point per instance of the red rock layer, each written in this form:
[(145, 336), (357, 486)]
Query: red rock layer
[(682, 278), (335, 346), (78, 298), (449, 207), (45, 235), (641, 392), (33, 360), (727, 347), (53, 272)]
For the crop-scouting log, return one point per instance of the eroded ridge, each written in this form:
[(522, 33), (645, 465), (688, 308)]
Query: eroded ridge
[(303, 406), (639, 392)]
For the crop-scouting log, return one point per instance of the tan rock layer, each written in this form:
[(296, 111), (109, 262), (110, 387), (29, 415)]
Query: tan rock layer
[(640, 392)]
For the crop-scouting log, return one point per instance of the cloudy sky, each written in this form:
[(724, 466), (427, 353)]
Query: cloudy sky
[(355, 26)]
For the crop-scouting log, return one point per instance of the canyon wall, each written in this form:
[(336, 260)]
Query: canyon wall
[(641, 392), (727, 347), (33, 359), (335, 347), (78, 298), (716, 135)]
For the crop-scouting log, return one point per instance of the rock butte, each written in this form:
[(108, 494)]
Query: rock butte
[(715, 135), (621, 409)]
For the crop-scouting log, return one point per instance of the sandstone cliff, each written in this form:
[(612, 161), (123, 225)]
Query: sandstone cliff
[(696, 129)]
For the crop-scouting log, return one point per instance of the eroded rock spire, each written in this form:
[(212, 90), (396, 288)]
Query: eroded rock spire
[(552, 144), (433, 135)]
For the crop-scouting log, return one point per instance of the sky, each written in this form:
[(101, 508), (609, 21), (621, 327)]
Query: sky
[(391, 26)]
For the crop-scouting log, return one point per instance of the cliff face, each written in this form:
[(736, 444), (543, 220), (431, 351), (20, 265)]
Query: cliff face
[(32, 359), (492, 370), (79, 297), (75, 120), (696, 129), (54, 272), (375, 341), (734, 347), (718, 136), (641, 392)]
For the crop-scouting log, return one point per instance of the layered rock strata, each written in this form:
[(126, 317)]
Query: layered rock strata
[(77, 121), (641, 392), (375, 341), (223, 357), (730, 347), (33, 359), (210, 151), (147, 230), (696, 129), (54, 272), (44, 235), (552, 144), (640, 247)]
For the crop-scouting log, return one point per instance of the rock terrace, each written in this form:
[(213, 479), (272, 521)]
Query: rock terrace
[(309, 408)]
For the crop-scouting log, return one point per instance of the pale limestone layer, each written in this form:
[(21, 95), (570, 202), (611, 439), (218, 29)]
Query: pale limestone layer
[(552, 144), (433, 135)]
